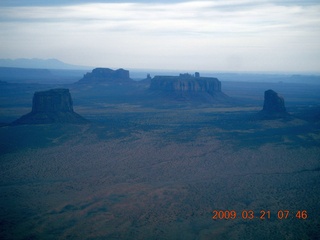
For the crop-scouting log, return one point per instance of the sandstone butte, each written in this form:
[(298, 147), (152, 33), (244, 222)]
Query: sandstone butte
[(106, 75), (273, 106), (52, 106)]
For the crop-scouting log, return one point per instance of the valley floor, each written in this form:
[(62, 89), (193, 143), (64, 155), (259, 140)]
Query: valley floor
[(160, 174)]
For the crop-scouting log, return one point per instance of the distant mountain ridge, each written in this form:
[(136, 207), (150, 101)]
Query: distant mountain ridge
[(51, 63), (40, 75)]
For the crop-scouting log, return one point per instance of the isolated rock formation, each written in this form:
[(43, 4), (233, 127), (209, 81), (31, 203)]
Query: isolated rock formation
[(273, 106), (106, 75), (185, 84), (52, 106), (188, 86), (54, 100), (273, 103)]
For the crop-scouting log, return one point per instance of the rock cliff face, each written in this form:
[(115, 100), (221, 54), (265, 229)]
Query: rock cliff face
[(273, 106), (177, 84), (106, 75), (52, 106), (273, 103), (54, 100), (188, 86)]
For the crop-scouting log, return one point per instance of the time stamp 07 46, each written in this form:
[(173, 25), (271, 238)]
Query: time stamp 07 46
[(262, 214)]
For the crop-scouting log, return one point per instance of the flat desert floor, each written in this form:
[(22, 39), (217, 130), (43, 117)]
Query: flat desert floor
[(160, 174)]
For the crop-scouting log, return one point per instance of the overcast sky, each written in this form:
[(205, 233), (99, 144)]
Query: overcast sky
[(217, 35)]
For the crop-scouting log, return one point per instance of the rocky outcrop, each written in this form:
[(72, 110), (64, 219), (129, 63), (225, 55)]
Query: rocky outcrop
[(188, 86), (52, 106), (273, 103), (177, 84), (106, 75), (54, 100), (273, 106)]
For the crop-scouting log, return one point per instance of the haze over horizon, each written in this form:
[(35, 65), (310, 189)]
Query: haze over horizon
[(274, 35)]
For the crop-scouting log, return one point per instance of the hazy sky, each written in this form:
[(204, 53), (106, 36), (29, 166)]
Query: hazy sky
[(217, 35)]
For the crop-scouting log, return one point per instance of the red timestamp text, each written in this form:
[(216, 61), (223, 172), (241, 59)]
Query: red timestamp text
[(262, 214)]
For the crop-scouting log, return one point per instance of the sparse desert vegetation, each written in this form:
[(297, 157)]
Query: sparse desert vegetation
[(159, 120), (142, 172)]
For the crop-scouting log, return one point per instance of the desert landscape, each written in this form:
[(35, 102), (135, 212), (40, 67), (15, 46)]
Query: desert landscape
[(150, 165), (159, 120)]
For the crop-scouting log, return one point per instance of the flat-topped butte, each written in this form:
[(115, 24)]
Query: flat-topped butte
[(186, 83), (52, 106)]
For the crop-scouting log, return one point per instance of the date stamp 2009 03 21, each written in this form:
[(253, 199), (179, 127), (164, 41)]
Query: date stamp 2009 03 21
[(262, 214)]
